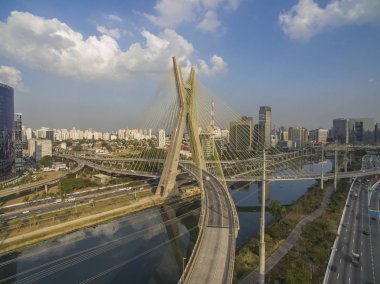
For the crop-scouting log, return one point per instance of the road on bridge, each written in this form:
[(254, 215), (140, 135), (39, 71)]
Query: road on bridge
[(216, 251)]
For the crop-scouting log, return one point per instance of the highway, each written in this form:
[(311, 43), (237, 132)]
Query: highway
[(73, 200), (359, 234)]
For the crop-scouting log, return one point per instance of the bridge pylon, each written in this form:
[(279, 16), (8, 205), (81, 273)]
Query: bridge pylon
[(186, 117)]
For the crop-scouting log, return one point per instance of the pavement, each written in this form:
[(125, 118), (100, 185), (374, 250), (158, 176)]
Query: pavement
[(290, 241), (212, 263), (361, 235)]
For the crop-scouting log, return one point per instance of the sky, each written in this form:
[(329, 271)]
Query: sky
[(96, 64)]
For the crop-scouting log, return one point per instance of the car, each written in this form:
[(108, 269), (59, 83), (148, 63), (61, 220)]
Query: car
[(365, 232), (25, 212), (373, 218), (333, 268), (348, 205)]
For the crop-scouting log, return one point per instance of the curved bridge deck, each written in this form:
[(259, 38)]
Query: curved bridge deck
[(212, 260)]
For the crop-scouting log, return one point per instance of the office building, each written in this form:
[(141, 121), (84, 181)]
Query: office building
[(377, 134), (360, 130), (241, 134), (19, 144), (39, 148), (7, 150), (353, 130), (265, 126)]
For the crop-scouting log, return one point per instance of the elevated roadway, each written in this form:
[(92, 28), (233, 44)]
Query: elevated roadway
[(212, 260), (326, 176), (42, 183)]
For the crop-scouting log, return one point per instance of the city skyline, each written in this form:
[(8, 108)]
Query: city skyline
[(308, 74)]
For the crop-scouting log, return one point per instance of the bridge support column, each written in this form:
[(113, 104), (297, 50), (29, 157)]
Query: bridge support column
[(335, 168), (322, 173), (345, 161), (262, 227)]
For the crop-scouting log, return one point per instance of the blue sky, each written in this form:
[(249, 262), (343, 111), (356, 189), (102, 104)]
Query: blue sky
[(97, 63)]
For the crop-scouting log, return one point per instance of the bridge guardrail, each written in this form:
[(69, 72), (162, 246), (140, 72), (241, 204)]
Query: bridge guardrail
[(190, 263)]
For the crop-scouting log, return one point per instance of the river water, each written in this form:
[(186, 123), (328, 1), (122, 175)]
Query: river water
[(147, 247)]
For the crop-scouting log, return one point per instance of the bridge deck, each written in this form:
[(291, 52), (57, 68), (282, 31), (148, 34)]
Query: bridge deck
[(216, 251)]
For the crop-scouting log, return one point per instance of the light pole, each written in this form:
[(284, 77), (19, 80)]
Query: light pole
[(262, 227), (183, 268)]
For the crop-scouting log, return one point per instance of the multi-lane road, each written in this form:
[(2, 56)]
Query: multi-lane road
[(357, 250)]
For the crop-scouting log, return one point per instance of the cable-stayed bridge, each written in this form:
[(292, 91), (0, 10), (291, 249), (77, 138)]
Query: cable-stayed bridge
[(194, 118)]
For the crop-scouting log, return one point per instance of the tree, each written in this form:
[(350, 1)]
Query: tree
[(297, 275), (45, 161), (276, 209)]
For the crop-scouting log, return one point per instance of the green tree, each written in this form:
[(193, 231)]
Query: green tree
[(297, 275), (276, 209), (45, 161)]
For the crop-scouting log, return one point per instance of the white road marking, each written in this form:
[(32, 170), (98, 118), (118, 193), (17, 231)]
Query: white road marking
[(337, 277)]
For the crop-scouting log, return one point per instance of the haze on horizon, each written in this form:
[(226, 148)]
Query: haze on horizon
[(96, 65)]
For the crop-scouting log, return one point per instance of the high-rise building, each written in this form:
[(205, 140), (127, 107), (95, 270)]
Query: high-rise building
[(360, 130), (340, 130), (297, 136), (39, 148), (207, 143), (7, 150), (377, 133), (161, 138), (19, 144), (241, 134), (265, 126), (353, 130)]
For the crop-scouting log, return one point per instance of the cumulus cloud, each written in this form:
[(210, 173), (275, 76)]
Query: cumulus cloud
[(307, 18), (11, 77), (218, 65), (210, 22), (115, 33), (53, 46), (171, 13)]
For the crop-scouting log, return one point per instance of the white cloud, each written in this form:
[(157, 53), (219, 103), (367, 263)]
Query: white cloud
[(11, 77), (218, 65), (114, 18), (307, 18), (210, 22), (115, 33), (171, 13), (53, 46)]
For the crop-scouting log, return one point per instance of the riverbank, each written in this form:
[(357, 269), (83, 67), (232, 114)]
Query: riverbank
[(306, 262), (278, 230), (38, 235)]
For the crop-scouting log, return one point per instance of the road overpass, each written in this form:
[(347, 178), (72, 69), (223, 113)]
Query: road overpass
[(42, 183), (326, 176)]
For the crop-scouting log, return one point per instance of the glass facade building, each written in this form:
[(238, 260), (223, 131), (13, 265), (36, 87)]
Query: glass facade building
[(7, 145)]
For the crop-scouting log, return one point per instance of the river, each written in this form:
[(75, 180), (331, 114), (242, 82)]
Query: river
[(150, 246)]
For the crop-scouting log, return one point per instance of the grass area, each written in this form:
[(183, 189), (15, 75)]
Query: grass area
[(307, 261), (247, 256)]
